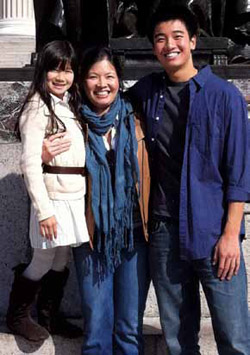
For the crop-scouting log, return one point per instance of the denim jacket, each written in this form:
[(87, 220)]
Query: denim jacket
[(216, 157)]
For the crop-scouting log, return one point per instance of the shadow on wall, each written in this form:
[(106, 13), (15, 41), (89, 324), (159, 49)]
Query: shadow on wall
[(15, 245), (14, 212)]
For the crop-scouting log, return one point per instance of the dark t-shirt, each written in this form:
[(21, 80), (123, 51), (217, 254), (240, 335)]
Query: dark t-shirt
[(168, 152)]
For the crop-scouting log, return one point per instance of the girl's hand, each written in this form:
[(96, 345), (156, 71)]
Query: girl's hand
[(48, 228), (55, 145)]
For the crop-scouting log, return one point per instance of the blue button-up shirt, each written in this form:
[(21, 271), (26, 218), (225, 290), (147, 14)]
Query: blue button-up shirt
[(215, 166)]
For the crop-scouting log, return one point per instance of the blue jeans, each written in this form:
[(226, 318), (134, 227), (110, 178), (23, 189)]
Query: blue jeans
[(176, 284), (113, 303)]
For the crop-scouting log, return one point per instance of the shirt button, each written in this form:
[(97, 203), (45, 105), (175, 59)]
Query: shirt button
[(161, 96), (152, 139), (157, 118)]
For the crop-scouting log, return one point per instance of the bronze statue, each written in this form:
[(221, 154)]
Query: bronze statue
[(92, 22), (83, 23), (237, 21), (57, 19)]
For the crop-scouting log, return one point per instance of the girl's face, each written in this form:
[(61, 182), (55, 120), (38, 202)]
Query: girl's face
[(60, 80), (101, 85)]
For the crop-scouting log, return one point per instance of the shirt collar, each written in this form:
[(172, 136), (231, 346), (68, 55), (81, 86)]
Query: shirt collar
[(59, 104), (57, 100), (201, 77)]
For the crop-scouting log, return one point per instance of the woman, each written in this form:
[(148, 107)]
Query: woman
[(112, 269)]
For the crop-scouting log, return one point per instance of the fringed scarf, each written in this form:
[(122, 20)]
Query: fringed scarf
[(112, 205)]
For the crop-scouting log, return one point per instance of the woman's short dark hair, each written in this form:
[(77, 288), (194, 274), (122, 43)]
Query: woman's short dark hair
[(173, 12), (96, 54)]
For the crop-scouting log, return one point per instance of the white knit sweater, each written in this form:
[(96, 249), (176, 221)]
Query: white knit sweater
[(43, 187)]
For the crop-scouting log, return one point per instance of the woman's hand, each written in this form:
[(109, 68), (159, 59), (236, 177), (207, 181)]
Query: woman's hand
[(54, 145), (48, 228)]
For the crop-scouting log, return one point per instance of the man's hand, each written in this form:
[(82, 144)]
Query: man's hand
[(227, 256), (227, 250), (48, 228), (54, 145)]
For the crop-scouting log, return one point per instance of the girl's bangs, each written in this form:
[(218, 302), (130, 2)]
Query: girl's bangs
[(60, 62)]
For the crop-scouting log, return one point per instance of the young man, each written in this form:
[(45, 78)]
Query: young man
[(197, 137)]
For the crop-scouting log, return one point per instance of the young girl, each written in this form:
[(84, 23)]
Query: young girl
[(57, 193)]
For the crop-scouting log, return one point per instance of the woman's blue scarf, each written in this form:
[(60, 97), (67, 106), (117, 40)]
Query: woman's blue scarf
[(112, 205)]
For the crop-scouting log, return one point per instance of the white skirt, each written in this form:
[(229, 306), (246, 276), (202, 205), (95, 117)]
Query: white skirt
[(71, 225)]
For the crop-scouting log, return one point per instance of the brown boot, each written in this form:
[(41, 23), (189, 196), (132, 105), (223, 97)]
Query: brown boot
[(48, 303), (18, 317)]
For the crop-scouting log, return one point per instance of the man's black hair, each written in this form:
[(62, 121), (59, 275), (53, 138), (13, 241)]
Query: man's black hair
[(173, 12)]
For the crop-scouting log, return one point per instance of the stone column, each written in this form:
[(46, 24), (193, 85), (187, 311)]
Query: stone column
[(17, 18)]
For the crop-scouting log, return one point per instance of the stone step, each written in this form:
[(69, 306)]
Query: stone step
[(56, 345), (16, 51)]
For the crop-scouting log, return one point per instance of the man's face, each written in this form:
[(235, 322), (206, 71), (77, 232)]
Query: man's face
[(172, 46)]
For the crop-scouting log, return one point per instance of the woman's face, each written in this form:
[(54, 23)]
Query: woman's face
[(101, 85)]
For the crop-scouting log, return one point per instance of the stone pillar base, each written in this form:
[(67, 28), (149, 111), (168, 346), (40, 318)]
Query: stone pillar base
[(16, 50), (17, 27)]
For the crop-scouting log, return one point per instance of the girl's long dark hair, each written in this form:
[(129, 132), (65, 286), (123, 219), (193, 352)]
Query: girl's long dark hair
[(54, 55)]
